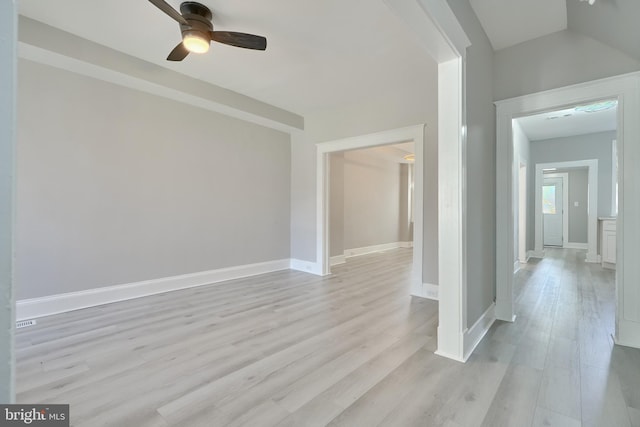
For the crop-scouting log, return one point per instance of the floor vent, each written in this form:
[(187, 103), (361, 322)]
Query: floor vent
[(25, 323)]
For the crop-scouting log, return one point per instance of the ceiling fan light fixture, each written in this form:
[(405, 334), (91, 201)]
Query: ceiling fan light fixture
[(195, 42)]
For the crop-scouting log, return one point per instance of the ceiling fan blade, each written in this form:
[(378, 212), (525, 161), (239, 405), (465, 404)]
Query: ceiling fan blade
[(166, 8), (178, 53), (247, 41)]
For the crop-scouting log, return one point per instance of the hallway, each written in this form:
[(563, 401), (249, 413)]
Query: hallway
[(564, 359)]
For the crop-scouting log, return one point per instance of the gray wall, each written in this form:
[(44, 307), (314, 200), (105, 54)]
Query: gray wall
[(117, 186), (336, 204), (578, 215), (368, 200), (371, 200), (8, 54), (405, 225), (416, 104), (553, 61), (580, 147), (481, 165)]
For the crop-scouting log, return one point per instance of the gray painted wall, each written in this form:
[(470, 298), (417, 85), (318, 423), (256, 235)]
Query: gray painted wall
[(371, 200), (382, 111), (117, 186), (578, 215), (405, 224), (612, 22), (481, 165), (8, 55), (336, 204), (553, 61), (580, 147), (368, 200)]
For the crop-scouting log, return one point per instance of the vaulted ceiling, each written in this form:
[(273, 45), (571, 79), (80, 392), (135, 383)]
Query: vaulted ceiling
[(320, 53), (510, 22)]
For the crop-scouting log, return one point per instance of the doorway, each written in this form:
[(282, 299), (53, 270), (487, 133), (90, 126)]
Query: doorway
[(553, 210), (413, 134), (624, 89)]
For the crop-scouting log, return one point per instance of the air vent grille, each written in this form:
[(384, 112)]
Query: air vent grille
[(25, 323)]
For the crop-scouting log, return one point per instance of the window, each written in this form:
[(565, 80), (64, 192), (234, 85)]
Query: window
[(549, 199)]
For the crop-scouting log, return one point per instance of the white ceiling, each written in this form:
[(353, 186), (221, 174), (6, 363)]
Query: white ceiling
[(320, 54), (509, 22), (567, 122)]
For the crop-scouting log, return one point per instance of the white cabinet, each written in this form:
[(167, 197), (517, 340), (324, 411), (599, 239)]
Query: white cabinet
[(608, 243)]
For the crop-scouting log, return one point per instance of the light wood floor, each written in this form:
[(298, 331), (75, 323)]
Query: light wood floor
[(353, 349)]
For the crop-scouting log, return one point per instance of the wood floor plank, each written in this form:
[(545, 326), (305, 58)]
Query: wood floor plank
[(291, 349)]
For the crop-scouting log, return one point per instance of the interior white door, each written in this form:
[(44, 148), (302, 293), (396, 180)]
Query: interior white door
[(552, 211)]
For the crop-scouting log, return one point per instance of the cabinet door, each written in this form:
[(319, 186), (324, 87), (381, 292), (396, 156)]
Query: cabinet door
[(609, 246)]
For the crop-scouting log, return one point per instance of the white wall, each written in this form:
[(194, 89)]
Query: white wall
[(556, 60), (118, 186), (481, 165)]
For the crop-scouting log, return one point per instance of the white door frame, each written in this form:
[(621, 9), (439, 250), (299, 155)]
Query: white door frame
[(439, 33), (626, 89), (522, 257), (413, 134), (592, 208), (565, 203)]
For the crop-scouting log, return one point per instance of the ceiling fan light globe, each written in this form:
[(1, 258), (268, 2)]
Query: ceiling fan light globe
[(195, 42)]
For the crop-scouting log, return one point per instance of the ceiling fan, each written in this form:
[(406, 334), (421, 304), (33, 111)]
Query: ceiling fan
[(197, 30)]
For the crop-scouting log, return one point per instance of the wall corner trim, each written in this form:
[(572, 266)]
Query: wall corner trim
[(61, 303), (305, 266), (428, 291), (474, 334)]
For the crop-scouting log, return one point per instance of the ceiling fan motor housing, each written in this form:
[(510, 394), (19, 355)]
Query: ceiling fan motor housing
[(198, 16)]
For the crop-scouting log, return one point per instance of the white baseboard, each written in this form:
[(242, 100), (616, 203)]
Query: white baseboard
[(516, 266), (306, 266), (337, 260), (474, 334), (591, 257), (375, 248), (535, 254), (60, 303), (572, 245), (425, 290)]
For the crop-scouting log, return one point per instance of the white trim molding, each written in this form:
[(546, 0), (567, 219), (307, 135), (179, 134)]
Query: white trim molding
[(60, 303), (573, 245), (626, 90), (452, 212), (411, 133), (348, 253), (474, 334), (592, 211), (535, 254), (565, 202), (429, 291), (306, 266)]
